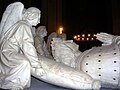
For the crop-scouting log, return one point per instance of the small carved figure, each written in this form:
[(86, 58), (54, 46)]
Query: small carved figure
[(40, 43), (50, 37)]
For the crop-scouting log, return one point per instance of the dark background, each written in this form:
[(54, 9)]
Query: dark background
[(87, 16), (84, 16), (76, 16)]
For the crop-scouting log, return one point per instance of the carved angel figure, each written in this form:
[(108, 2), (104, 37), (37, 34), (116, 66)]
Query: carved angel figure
[(18, 54), (19, 57)]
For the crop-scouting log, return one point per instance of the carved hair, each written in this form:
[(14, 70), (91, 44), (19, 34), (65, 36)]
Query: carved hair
[(40, 30), (31, 13)]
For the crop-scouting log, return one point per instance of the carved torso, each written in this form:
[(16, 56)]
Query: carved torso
[(102, 63)]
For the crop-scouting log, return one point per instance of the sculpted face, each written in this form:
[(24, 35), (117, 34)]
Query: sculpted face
[(44, 32), (32, 16), (35, 21), (41, 31)]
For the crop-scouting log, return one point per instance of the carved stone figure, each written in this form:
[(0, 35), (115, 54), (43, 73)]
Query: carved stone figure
[(104, 59), (101, 63), (40, 43), (62, 36), (50, 37), (19, 57), (65, 51), (33, 31), (18, 54), (62, 75)]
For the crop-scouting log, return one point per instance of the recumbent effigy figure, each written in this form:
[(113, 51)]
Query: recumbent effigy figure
[(19, 58), (101, 63), (63, 36), (65, 51)]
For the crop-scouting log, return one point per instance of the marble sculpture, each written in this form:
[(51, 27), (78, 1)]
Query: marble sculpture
[(101, 63), (40, 43), (54, 35), (19, 59)]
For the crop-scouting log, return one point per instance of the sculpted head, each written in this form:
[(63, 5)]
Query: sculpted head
[(64, 51), (32, 15), (41, 31)]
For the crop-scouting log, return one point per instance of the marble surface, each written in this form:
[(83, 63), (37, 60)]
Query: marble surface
[(37, 84), (40, 85)]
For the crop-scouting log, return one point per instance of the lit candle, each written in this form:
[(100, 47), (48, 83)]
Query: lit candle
[(94, 35), (87, 39), (78, 39), (89, 35), (60, 30), (75, 37), (82, 38), (92, 38), (78, 35), (83, 35)]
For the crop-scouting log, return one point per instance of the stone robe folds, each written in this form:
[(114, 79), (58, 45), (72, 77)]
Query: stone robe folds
[(41, 47), (18, 55)]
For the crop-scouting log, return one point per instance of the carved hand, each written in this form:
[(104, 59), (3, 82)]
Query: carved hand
[(105, 38), (38, 71)]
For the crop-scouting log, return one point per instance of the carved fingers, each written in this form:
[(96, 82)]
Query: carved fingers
[(105, 38)]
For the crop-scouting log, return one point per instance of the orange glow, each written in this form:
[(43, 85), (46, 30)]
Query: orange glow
[(87, 39), (60, 31), (78, 35), (89, 35), (83, 35), (94, 35), (83, 39), (78, 39), (92, 38), (75, 37)]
